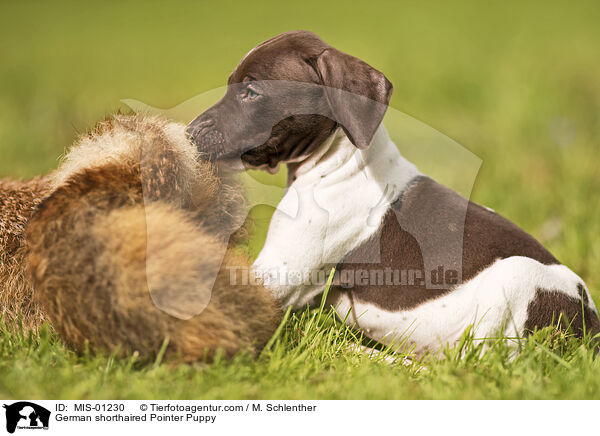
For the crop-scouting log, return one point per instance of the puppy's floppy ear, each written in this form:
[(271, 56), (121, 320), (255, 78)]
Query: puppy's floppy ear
[(357, 94)]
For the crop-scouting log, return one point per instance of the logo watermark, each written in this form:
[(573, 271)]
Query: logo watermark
[(25, 415)]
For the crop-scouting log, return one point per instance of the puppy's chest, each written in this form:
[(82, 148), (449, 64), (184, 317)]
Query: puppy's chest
[(431, 240), (316, 227)]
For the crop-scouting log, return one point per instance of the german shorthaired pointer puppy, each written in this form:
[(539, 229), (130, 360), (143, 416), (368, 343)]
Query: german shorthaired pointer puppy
[(413, 258)]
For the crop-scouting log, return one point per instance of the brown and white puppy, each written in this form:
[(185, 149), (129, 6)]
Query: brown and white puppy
[(413, 257)]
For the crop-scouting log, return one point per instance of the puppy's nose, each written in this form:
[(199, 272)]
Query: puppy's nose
[(196, 127), (207, 138)]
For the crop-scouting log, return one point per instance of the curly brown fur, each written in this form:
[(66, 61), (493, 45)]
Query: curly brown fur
[(122, 249), (18, 200)]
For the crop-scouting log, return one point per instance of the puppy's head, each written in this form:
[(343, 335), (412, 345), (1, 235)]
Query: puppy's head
[(286, 97)]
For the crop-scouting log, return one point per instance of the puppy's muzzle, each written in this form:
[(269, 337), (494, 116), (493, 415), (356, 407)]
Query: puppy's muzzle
[(209, 139)]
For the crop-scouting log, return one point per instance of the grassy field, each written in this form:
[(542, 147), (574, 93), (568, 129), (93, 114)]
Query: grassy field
[(516, 84)]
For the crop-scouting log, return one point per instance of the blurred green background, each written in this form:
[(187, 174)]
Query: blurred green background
[(516, 83)]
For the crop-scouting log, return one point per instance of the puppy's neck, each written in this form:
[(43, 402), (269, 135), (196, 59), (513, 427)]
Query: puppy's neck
[(333, 153), (335, 200), (337, 160)]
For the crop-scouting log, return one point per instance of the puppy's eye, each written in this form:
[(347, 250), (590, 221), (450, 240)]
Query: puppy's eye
[(250, 94)]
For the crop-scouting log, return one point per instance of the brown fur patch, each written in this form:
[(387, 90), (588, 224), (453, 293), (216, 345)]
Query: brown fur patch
[(18, 200), (557, 308), (102, 295)]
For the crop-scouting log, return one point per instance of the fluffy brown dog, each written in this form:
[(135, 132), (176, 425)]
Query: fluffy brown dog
[(131, 209)]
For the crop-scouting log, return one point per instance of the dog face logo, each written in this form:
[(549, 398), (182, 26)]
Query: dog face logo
[(26, 415)]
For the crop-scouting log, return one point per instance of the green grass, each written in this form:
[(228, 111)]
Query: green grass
[(515, 83), (309, 358)]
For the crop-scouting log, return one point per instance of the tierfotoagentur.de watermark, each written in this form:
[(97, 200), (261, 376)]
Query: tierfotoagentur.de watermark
[(346, 278)]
